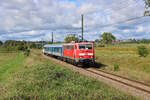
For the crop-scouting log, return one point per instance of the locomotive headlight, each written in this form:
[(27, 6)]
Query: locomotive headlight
[(81, 54), (90, 54)]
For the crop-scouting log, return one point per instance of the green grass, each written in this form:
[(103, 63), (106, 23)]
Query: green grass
[(37, 76), (9, 63), (125, 55)]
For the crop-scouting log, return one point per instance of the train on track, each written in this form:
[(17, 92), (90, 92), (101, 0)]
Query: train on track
[(74, 53)]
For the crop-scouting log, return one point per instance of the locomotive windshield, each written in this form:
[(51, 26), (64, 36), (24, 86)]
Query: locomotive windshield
[(85, 46)]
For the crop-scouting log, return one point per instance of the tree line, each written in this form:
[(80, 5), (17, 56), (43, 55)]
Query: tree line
[(13, 45), (105, 38)]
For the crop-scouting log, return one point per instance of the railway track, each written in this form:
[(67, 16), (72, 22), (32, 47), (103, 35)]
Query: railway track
[(123, 80), (124, 84)]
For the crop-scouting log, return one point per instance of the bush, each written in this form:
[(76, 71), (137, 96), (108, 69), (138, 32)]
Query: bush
[(1, 43), (100, 45), (142, 51), (116, 67), (27, 52)]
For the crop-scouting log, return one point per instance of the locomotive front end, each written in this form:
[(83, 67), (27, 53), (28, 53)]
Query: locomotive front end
[(85, 53)]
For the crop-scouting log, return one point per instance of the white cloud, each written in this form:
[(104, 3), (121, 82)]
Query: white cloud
[(40, 17), (140, 29), (126, 31)]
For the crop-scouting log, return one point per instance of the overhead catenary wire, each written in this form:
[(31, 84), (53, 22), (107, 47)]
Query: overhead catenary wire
[(127, 5), (117, 23), (124, 21), (111, 24)]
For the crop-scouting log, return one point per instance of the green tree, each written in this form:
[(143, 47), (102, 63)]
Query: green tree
[(149, 2), (70, 38), (107, 38), (12, 45), (1, 43), (97, 40)]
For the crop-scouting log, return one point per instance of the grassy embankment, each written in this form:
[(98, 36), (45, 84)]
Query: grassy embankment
[(36, 76), (125, 55)]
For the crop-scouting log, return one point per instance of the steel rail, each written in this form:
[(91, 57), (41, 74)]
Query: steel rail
[(125, 83), (115, 79)]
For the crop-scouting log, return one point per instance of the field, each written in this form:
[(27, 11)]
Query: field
[(125, 55), (37, 77)]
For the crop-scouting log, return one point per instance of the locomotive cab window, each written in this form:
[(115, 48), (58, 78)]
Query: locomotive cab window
[(85, 46), (88, 46)]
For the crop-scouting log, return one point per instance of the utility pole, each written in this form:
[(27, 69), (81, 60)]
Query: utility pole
[(147, 6), (52, 38), (82, 27)]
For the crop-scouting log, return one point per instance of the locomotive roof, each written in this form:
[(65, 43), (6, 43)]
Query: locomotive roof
[(78, 43), (53, 45), (60, 45)]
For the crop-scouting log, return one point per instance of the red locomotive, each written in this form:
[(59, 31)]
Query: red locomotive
[(75, 53)]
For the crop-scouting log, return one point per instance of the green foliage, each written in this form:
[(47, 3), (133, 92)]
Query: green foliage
[(10, 62), (1, 43), (134, 41), (144, 41), (126, 56), (70, 38), (149, 2), (100, 45), (107, 38), (27, 52), (12, 45), (47, 80), (116, 67), (97, 41), (8, 49), (34, 45), (22, 47), (142, 51)]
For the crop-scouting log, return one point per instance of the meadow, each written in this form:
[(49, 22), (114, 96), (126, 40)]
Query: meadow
[(37, 77), (130, 64)]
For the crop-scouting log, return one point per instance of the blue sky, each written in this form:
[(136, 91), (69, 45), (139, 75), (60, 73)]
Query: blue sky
[(36, 19)]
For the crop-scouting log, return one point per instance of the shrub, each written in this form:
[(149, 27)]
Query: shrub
[(27, 52), (116, 67), (100, 45), (142, 51), (1, 43), (22, 47)]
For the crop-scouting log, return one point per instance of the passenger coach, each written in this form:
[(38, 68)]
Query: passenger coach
[(75, 53)]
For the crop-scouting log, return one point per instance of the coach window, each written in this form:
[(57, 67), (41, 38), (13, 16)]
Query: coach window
[(58, 50), (55, 49)]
